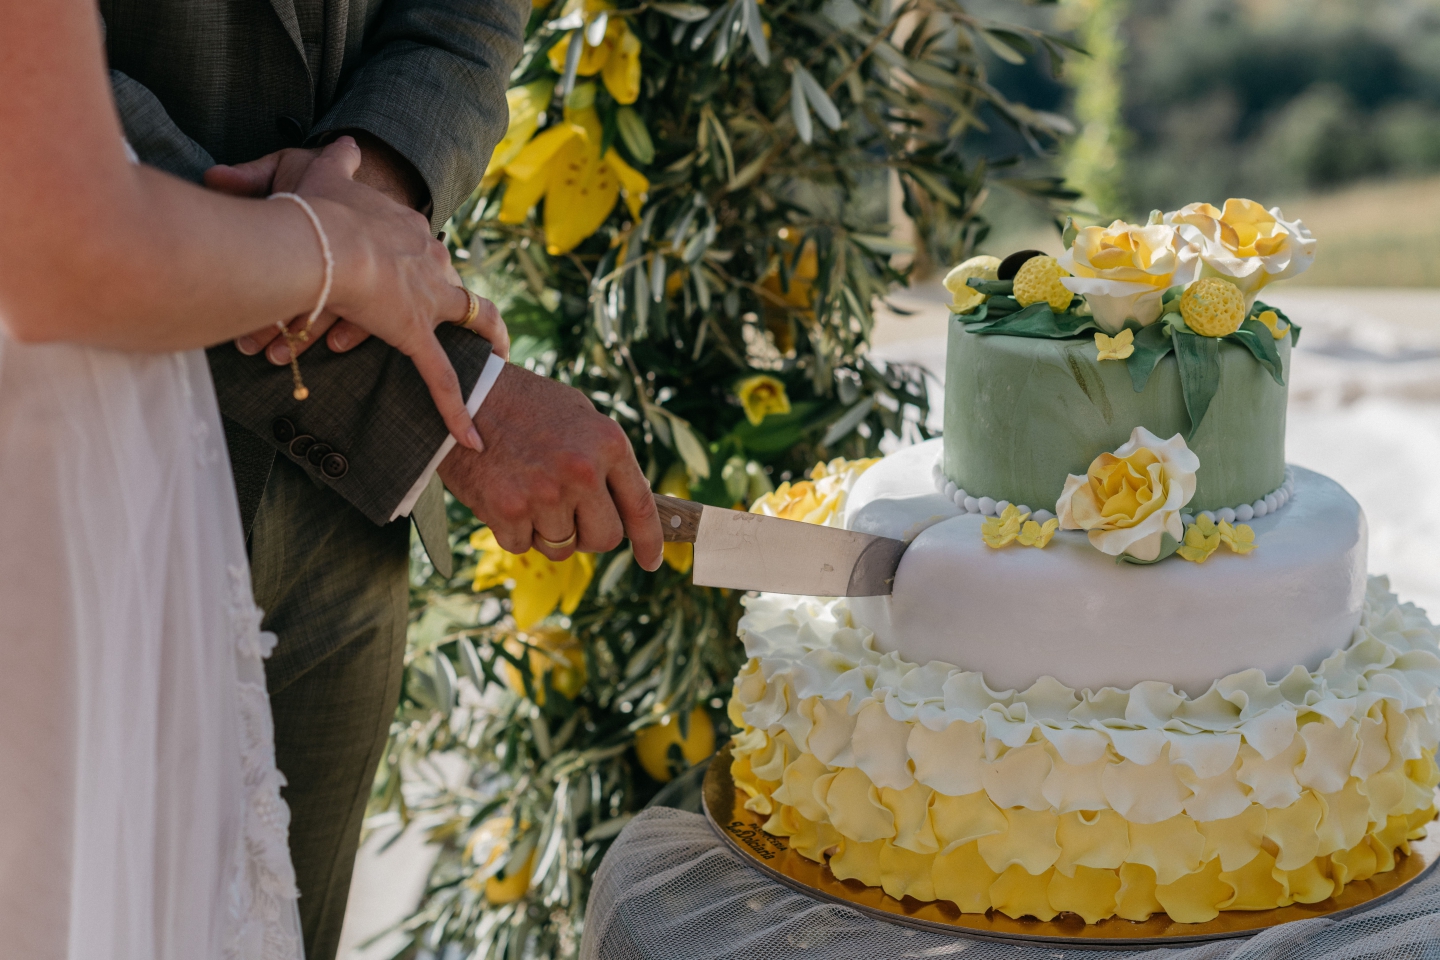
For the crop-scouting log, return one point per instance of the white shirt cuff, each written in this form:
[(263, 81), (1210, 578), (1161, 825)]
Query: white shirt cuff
[(488, 376)]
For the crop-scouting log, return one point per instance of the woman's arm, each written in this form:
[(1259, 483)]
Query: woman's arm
[(96, 250)]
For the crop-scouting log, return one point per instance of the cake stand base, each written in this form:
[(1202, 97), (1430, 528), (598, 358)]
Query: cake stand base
[(742, 830)]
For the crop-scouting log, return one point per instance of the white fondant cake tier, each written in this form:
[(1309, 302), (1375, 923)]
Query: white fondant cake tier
[(1070, 612)]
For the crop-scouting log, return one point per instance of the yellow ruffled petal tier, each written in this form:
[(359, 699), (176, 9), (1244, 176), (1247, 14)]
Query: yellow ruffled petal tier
[(966, 849)]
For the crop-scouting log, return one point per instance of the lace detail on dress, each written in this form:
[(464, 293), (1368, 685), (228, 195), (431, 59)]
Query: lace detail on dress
[(264, 920)]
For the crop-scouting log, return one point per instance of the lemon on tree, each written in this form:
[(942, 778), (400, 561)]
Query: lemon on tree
[(551, 651), (652, 744), (488, 844)]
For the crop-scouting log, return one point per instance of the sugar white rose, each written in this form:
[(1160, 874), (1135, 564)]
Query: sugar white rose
[(1131, 498), (1245, 243), (1123, 270)]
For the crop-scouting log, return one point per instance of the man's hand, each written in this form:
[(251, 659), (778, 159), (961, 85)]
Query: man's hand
[(381, 167), (553, 467)]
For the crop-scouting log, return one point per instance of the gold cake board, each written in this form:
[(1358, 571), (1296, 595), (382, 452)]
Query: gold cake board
[(742, 831)]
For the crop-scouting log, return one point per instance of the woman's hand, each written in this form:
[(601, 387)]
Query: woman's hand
[(393, 279)]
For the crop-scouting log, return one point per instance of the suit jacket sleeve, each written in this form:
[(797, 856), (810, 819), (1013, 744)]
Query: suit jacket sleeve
[(370, 404), (153, 135), (362, 431), (432, 86)]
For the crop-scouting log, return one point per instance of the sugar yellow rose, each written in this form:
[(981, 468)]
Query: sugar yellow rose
[(1128, 500), (1245, 243), (1123, 270)]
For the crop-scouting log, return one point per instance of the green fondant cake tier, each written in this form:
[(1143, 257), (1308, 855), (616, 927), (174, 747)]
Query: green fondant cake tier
[(1021, 413)]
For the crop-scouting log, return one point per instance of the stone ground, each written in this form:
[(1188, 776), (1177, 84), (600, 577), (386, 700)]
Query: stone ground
[(1364, 409)]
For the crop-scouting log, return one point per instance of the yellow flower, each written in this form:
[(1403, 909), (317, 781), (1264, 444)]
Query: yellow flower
[(1037, 535), (803, 271), (1239, 538), (820, 499), (1128, 500), (565, 167), (1001, 530), (1117, 347), (1123, 270), (1201, 539), (1245, 243), (537, 584), (1213, 307), (652, 744), (762, 395), (526, 104), (676, 483), (489, 843), (616, 59), (1039, 282), (553, 651), (965, 298), (1271, 319)]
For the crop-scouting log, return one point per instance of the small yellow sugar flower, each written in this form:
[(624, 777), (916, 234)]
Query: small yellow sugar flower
[(1037, 535), (1202, 538), (761, 396), (1239, 538), (1004, 529), (1117, 347), (1213, 307), (1039, 282), (1278, 328)]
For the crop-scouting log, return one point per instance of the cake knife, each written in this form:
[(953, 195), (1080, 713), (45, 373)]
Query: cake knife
[(748, 551)]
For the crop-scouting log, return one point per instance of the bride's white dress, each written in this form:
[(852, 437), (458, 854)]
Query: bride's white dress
[(140, 812)]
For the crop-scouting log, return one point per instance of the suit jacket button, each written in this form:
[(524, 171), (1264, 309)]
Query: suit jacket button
[(292, 131), (301, 445), (283, 430), (334, 466), (317, 453)]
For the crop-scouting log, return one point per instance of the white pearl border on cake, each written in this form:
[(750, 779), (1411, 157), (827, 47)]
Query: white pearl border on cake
[(990, 507)]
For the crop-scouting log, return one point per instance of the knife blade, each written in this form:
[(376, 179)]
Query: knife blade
[(748, 551)]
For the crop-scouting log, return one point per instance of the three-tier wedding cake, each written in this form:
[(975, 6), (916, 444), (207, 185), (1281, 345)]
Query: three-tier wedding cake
[(1132, 662)]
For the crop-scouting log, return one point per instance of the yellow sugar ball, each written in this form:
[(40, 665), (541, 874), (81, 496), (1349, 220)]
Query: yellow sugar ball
[(1213, 307), (1038, 281)]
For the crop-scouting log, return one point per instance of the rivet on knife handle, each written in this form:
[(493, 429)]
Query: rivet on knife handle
[(679, 519)]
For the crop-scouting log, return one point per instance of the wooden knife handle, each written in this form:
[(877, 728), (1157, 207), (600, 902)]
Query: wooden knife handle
[(680, 519)]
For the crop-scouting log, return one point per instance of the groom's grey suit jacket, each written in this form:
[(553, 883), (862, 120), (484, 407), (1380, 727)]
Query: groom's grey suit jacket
[(200, 82)]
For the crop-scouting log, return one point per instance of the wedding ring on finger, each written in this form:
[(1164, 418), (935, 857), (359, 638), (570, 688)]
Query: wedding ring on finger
[(565, 544), (471, 312)]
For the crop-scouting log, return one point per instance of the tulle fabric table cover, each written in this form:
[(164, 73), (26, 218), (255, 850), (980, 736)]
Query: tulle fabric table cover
[(669, 889)]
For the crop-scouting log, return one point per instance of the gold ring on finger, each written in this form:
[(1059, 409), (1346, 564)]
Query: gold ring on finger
[(565, 544), (471, 312)]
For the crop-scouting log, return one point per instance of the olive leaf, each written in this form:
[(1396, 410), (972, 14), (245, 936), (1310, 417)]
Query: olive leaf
[(634, 135), (818, 99), (684, 12), (799, 110)]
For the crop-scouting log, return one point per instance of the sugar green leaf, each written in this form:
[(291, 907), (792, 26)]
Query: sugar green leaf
[(1199, 362)]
